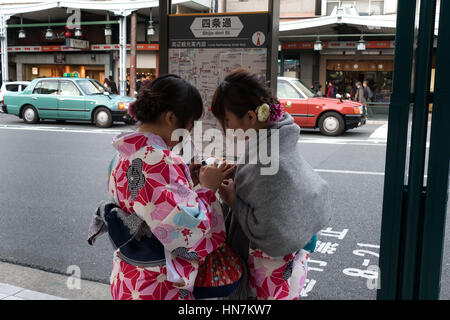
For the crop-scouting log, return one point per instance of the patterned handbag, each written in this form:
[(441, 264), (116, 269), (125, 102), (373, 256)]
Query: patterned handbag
[(219, 275)]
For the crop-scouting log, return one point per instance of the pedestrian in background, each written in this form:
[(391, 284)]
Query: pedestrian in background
[(368, 93), (107, 84), (139, 82), (359, 96), (332, 90), (353, 91), (317, 89), (113, 86)]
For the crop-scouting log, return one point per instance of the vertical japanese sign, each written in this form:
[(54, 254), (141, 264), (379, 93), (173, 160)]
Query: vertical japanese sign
[(203, 49)]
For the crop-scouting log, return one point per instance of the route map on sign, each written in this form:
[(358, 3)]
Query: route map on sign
[(205, 68)]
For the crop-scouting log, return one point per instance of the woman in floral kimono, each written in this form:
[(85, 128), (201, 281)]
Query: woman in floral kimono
[(148, 180)]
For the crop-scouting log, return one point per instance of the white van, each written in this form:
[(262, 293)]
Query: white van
[(16, 86)]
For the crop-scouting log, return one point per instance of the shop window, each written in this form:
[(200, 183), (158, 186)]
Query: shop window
[(363, 7), (378, 75), (292, 68)]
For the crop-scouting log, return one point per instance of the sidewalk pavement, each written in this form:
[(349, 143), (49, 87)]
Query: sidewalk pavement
[(24, 283)]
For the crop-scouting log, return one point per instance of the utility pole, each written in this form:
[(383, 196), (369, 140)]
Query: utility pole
[(164, 10), (273, 39), (133, 55)]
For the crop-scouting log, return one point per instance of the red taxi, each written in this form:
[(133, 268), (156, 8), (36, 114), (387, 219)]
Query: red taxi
[(331, 116)]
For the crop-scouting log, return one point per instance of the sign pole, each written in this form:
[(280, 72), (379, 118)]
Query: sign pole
[(272, 50), (4, 49), (163, 53), (133, 54)]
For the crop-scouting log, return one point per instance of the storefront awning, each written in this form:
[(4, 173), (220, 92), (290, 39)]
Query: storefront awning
[(122, 7), (339, 25)]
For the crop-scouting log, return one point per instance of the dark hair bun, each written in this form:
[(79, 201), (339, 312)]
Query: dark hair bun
[(168, 93), (147, 107)]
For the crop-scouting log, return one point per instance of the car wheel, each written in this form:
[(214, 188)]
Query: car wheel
[(103, 118), (30, 115), (331, 124)]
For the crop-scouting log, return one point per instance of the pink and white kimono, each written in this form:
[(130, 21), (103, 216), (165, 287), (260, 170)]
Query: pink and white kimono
[(148, 179), (280, 278)]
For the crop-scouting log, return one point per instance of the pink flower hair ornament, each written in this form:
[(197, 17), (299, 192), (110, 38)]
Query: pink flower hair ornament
[(269, 112), (276, 112)]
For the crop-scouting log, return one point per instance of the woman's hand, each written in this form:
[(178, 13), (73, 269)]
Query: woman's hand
[(211, 177), (194, 168), (227, 191), (229, 170)]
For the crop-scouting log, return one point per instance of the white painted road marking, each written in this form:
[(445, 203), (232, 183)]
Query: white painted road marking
[(61, 129), (350, 172), (376, 143), (366, 263), (380, 133)]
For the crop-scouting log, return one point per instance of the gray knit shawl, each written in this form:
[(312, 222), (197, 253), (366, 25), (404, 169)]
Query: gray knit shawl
[(279, 213)]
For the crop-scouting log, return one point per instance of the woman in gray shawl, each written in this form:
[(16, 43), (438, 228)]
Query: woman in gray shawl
[(273, 218)]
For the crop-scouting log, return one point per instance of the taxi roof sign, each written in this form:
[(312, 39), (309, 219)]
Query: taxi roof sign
[(71, 75)]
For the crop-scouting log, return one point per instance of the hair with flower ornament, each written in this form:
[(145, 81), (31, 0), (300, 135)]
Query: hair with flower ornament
[(242, 91), (272, 112)]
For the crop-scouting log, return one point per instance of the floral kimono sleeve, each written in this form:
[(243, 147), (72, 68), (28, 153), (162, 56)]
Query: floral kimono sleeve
[(188, 223)]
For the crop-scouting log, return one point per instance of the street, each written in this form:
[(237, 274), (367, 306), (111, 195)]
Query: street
[(53, 175)]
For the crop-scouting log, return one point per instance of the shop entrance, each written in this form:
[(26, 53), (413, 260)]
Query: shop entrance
[(378, 75), (31, 72), (291, 65), (147, 73)]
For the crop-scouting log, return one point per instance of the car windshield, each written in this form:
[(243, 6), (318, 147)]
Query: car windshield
[(91, 87), (306, 91)]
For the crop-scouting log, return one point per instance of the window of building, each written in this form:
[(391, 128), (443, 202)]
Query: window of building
[(363, 7), (377, 73)]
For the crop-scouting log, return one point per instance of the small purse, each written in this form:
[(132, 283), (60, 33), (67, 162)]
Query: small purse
[(219, 275)]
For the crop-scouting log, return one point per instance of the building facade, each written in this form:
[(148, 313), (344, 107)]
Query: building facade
[(32, 52), (337, 29), (337, 25)]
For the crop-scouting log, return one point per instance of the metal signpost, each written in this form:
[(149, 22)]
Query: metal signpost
[(204, 49)]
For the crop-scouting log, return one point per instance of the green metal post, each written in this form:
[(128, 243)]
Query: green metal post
[(438, 168), (396, 152), (415, 208)]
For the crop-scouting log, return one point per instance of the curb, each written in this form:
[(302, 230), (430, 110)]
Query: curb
[(24, 283), (9, 292)]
